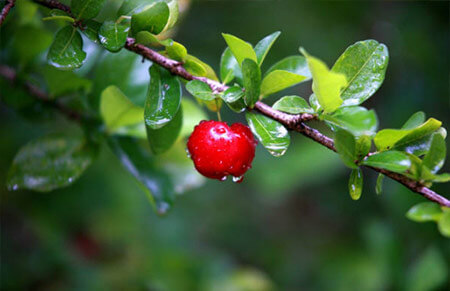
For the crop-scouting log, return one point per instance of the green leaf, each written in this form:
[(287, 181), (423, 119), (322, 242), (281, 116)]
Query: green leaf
[(113, 35), (414, 121), (117, 110), (50, 162), (156, 183), (278, 80), (363, 145), (326, 84), (229, 68), (264, 45), (24, 36), (314, 102), (355, 184), (64, 82), (394, 161), (434, 159), (207, 71), (356, 119), (152, 19), (390, 138), (293, 104), (379, 186), (444, 224), (174, 11), (59, 15), (345, 145), (130, 7), (233, 98), (240, 49), (294, 64), (425, 211), (272, 134), (161, 140), (163, 97), (364, 65), (86, 9), (149, 39), (252, 81), (91, 30), (200, 90), (176, 51), (66, 51)]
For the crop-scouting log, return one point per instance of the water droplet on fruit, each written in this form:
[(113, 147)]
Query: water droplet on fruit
[(238, 179), (223, 178), (221, 130), (220, 162)]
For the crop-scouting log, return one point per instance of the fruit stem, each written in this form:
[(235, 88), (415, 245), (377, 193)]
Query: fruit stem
[(219, 117)]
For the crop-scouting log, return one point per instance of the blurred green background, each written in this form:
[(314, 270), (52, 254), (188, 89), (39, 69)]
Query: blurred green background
[(291, 224)]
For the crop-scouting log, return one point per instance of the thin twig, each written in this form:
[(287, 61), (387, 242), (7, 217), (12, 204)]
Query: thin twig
[(9, 5), (11, 75), (293, 122)]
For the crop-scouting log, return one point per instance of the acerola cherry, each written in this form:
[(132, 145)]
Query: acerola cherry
[(219, 150)]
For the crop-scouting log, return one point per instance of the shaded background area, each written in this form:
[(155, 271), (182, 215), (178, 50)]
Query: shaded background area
[(291, 224)]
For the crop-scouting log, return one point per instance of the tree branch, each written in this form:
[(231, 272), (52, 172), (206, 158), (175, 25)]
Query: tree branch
[(11, 75), (9, 5), (293, 122)]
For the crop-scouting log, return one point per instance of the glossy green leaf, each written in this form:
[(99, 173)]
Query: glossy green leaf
[(130, 7), (427, 175), (390, 138), (200, 90), (206, 70), (117, 110), (174, 12), (86, 9), (240, 49), (252, 81), (66, 51), (278, 80), (155, 181), (355, 184), (294, 64), (60, 82), (345, 145), (379, 185), (50, 162), (163, 98), (161, 140), (272, 134), (394, 161), (314, 103), (425, 211), (356, 119), (113, 35), (414, 121), (229, 68), (364, 66), (91, 30), (152, 19), (233, 98), (434, 159), (56, 14), (293, 104), (444, 224), (176, 51), (327, 84), (149, 39), (264, 45)]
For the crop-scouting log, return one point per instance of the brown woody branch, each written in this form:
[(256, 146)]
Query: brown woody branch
[(9, 5), (293, 122), (11, 75)]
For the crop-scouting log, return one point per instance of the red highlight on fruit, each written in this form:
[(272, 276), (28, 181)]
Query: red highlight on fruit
[(219, 150)]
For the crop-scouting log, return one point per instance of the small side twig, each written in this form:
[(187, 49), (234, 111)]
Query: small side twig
[(9, 5)]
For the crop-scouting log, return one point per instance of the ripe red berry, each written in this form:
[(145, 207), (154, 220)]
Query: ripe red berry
[(219, 150)]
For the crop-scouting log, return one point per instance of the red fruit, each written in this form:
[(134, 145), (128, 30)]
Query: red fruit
[(219, 150)]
